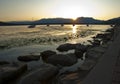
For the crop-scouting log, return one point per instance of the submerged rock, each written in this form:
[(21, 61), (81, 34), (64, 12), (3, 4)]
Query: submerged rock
[(62, 59), (42, 75), (46, 54), (28, 58), (11, 71)]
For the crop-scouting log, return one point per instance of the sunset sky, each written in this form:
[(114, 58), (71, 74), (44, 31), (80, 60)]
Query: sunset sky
[(12, 10)]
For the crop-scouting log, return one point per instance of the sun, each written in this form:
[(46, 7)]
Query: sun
[(72, 9), (67, 13)]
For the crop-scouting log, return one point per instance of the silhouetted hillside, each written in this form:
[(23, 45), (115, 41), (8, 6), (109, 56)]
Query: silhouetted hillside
[(80, 20), (113, 21), (21, 22), (54, 20), (4, 23), (88, 20)]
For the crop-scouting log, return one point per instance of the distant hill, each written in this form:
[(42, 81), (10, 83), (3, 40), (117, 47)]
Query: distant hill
[(4, 23), (88, 20), (54, 20), (113, 21), (21, 22), (79, 20)]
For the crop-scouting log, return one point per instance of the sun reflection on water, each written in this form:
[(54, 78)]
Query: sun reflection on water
[(74, 31)]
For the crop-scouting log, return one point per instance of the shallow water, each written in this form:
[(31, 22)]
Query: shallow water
[(14, 35)]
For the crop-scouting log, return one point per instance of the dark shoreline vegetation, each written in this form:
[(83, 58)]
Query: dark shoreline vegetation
[(57, 21), (50, 73)]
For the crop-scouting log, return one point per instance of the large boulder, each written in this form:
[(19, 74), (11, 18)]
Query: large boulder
[(28, 58), (11, 71), (46, 54), (43, 75), (62, 59), (66, 47), (81, 47), (80, 50)]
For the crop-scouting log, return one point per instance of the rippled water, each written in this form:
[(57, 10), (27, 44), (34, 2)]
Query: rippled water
[(24, 41), (14, 36)]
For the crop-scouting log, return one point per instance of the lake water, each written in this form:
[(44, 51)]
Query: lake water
[(21, 40)]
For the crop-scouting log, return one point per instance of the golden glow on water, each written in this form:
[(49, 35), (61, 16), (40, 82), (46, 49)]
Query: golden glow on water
[(74, 29)]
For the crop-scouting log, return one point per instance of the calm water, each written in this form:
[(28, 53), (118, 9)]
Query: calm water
[(21, 40)]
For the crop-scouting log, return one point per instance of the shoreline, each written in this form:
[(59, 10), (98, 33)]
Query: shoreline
[(84, 71)]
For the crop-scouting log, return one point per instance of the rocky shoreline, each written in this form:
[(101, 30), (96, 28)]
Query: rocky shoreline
[(50, 73)]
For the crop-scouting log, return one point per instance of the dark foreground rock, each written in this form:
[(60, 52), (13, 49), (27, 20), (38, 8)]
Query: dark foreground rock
[(43, 75), (46, 54), (4, 62), (95, 52), (80, 50), (88, 64), (11, 71), (62, 59), (72, 77), (66, 47), (28, 58)]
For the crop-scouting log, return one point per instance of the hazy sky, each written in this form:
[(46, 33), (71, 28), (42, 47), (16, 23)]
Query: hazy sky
[(26, 9)]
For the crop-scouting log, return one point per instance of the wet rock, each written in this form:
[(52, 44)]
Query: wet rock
[(28, 58), (96, 42), (11, 71), (100, 36), (46, 54), (79, 54), (2, 46), (95, 52), (4, 62), (62, 59), (66, 47), (81, 47), (42, 75)]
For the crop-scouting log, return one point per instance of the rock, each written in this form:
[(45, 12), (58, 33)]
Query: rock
[(4, 62), (79, 54), (81, 47), (28, 58), (100, 36), (62, 59), (88, 64), (3, 46), (11, 71), (79, 51), (95, 52), (42, 75), (72, 77), (66, 47), (96, 42), (46, 54)]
